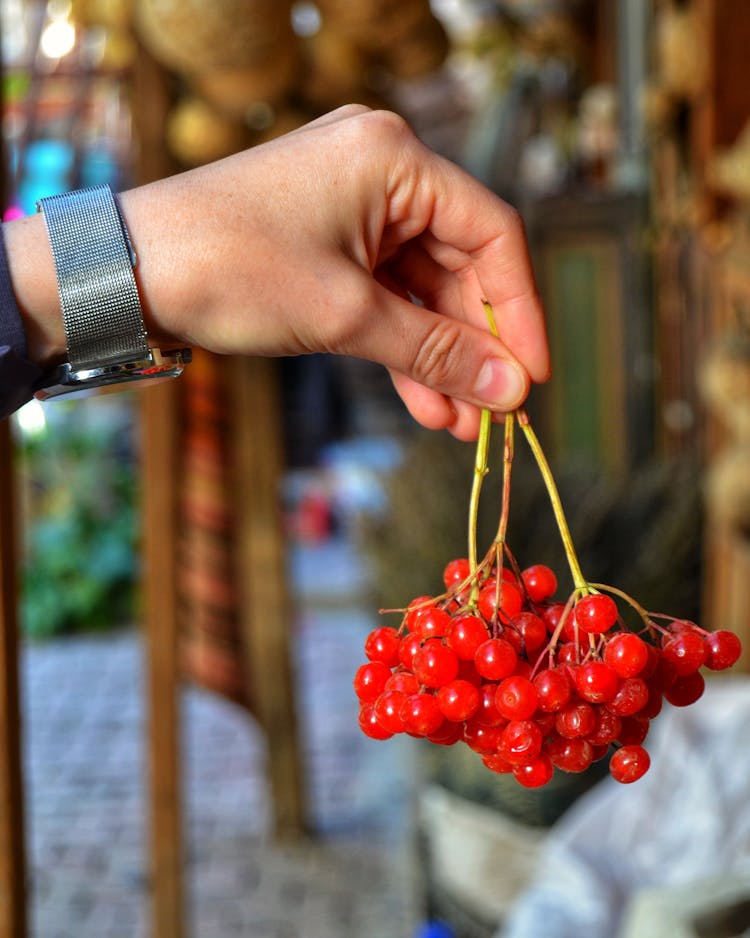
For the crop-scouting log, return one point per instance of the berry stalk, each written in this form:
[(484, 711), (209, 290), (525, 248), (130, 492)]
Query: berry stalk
[(579, 580), (481, 468)]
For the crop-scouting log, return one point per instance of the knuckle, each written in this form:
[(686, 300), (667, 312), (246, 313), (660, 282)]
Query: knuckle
[(383, 125), (352, 110)]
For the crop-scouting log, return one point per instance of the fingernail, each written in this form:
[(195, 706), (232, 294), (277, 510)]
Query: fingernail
[(500, 385)]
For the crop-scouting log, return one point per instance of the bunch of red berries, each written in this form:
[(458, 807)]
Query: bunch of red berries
[(528, 683)]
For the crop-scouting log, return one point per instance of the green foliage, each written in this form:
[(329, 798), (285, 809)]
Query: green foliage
[(79, 526)]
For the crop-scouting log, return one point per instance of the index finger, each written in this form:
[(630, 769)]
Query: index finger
[(481, 238)]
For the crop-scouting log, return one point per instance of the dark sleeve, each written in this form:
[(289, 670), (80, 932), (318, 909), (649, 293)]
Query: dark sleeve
[(17, 374)]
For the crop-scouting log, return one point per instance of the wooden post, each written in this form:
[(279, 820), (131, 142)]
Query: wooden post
[(160, 429), (264, 602), (13, 918), (152, 97)]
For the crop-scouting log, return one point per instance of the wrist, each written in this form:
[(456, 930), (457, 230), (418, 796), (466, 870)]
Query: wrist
[(106, 336), (169, 279)]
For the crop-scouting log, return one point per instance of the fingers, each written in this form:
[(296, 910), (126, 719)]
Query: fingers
[(454, 358), (479, 237), (415, 272), (435, 411)]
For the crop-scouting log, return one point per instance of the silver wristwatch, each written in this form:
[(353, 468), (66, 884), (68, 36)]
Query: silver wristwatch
[(104, 329)]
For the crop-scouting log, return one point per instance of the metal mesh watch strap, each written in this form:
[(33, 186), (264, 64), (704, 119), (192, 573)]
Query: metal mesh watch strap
[(94, 262)]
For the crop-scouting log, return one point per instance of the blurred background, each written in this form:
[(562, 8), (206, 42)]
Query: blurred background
[(198, 566)]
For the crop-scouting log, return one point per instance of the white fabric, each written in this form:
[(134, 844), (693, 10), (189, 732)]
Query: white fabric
[(686, 820)]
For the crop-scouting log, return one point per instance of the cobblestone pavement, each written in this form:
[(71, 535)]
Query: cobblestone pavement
[(84, 754)]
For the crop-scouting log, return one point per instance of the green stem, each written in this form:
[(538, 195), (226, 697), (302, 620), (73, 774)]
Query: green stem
[(502, 528), (554, 496), (481, 469)]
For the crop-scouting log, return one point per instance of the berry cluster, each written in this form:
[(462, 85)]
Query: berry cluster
[(529, 683)]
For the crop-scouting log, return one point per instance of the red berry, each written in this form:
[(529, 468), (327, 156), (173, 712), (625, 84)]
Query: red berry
[(382, 644), (496, 763), (568, 653), (596, 681), (403, 681), (723, 649), (467, 672), (455, 572), (540, 582), (682, 625), (495, 659), (545, 722), (421, 715), (551, 615), (388, 710), (531, 628), (575, 719), (509, 596), (435, 664), (686, 651), (595, 613), (631, 697), (664, 674), (570, 755), (447, 734), (633, 730), (629, 763), (466, 634), (569, 629), (487, 713), (458, 700), (521, 742), (599, 752), (409, 646), (369, 724), (417, 608), (434, 623), (523, 669), (607, 729), (369, 680), (483, 739), (553, 687), (654, 657), (626, 653), (516, 698), (655, 700), (512, 637), (685, 690), (535, 774)]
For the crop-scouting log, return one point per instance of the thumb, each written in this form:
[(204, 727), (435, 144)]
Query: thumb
[(448, 355)]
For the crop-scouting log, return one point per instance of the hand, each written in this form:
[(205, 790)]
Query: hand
[(314, 242), (317, 242)]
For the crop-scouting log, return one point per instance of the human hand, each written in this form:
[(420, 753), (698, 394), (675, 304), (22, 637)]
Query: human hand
[(314, 243), (319, 242)]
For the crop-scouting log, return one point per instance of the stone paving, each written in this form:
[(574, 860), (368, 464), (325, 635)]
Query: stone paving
[(84, 755)]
